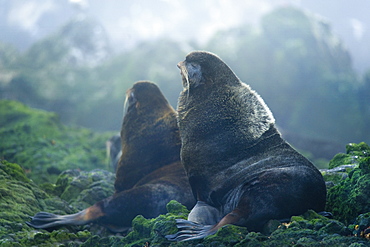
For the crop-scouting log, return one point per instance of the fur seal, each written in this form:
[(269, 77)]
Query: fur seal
[(240, 169), (149, 173)]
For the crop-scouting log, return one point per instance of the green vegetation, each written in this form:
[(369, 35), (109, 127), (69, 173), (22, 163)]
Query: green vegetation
[(351, 196), (74, 190), (43, 146), (293, 59)]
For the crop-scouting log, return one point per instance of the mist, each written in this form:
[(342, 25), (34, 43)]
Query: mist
[(129, 22), (307, 59)]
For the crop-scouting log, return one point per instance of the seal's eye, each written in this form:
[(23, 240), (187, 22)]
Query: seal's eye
[(194, 66)]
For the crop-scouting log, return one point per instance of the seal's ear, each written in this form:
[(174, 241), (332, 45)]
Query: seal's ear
[(194, 74)]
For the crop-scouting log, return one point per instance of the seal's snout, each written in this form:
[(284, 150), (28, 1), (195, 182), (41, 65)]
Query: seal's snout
[(180, 64)]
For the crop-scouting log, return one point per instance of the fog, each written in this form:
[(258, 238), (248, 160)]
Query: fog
[(127, 22), (308, 59)]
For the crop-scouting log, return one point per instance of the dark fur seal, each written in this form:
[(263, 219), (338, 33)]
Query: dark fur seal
[(240, 169), (149, 173)]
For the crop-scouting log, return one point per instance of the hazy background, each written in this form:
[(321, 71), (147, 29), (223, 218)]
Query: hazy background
[(127, 22), (308, 59)]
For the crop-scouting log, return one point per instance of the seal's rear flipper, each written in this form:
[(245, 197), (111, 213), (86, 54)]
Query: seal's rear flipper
[(43, 220), (47, 220), (190, 231)]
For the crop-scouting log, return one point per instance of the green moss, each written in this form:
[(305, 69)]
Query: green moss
[(354, 154), (309, 229), (14, 171), (365, 165), (50, 148), (37, 141), (361, 149), (351, 196), (60, 236), (17, 199), (174, 207), (227, 236), (339, 160), (20, 198), (17, 117), (82, 189)]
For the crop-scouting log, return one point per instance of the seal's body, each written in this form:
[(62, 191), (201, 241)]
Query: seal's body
[(149, 173), (240, 169)]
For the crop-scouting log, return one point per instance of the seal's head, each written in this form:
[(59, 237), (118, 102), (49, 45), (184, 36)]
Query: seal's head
[(205, 68), (215, 99), (143, 96)]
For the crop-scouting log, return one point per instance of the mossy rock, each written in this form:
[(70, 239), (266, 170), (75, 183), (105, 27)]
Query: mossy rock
[(340, 160), (45, 148), (20, 198), (82, 189), (353, 155), (351, 196), (361, 149), (37, 141), (309, 229)]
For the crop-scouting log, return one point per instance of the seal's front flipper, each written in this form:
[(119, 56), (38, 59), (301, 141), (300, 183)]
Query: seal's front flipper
[(190, 230)]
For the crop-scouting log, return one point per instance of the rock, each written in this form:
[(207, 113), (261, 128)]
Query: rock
[(351, 195), (361, 226), (58, 174), (20, 198), (354, 152), (309, 229), (82, 189)]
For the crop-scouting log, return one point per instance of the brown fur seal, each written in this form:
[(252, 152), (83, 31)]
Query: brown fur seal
[(240, 169), (149, 173)]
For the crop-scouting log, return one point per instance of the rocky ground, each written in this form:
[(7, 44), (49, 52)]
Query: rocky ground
[(46, 166)]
